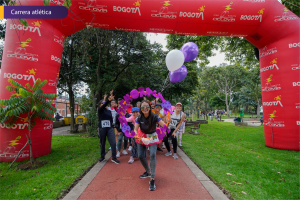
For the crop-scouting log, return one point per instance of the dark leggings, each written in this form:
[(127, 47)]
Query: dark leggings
[(174, 141), (130, 141)]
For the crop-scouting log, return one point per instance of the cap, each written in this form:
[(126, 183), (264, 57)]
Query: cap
[(135, 109), (158, 104), (178, 103)]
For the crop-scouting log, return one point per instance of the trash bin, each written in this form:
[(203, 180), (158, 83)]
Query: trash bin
[(67, 121), (211, 118), (82, 117)]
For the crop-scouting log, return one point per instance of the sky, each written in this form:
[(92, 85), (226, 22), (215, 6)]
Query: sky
[(161, 38)]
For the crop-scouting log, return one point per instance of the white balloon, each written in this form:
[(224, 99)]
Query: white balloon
[(174, 60)]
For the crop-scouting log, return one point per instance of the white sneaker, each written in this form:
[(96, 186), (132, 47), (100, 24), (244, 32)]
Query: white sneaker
[(130, 148), (118, 154), (168, 154), (148, 149), (163, 146), (124, 152)]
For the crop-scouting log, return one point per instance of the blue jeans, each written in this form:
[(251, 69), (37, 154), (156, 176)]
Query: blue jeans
[(120, 138), (142, 150)]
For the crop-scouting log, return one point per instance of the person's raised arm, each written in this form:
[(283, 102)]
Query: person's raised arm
[(136, 128)]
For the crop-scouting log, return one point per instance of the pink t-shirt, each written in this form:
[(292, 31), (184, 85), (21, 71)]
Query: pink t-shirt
[(131, 119)]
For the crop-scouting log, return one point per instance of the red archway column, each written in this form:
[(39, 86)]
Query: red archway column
[(280, 82), (29, 53)]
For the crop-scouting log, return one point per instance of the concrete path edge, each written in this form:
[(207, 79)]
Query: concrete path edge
[(86, 180), (212, 189)]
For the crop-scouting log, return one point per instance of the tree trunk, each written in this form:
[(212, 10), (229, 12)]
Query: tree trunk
[(72, 104), (29, 140), (227, 105), (258, 109)]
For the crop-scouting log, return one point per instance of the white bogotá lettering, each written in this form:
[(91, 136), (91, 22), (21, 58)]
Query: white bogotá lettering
[(292, 45), (19, 76), (126, 9), (272, 103), (269, 68), (55, 59), (191, 14), (296, 84), (298, 122), (15, 126), (21, 27), (251, 17)]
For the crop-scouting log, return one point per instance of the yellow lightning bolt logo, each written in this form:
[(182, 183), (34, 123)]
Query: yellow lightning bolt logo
[(25, 44), (274, 61), (15, 142), (37, 23), (137, 4), (31, 71), (269, 79), (167, 3), (261, 11), (285, 10), (278, 98), (272, 115), (25, 119), (201, 9), (228, 6), (57, 75)]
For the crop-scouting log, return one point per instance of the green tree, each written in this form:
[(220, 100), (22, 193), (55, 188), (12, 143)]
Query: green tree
[(27, 103)]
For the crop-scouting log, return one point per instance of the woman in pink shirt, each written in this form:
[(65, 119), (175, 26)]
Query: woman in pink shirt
[(134, 154)]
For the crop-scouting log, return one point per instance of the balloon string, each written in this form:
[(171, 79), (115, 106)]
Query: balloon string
[(165, 82), (166, 87)]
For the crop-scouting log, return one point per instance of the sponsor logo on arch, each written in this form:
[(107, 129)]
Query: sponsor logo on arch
[(48, 126), (256, 1), (59, 40), (294, 45), (133, 10), (271, 121), (34, 27), (96, 25), (26, 77), (21, 52), (297, 105), (10, 150), (92, 6), (295, 84), (266, 52), (197, 15), (254, 17), (127, 29), (269, 87), (276, 102), (270, 67), (295, 67), (286, 16), (165, 11), (225, 15)]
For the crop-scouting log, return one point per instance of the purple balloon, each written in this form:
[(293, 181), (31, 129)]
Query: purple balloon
[(178, 75), (190, 51)]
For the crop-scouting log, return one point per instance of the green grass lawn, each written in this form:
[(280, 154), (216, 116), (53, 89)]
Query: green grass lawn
[(70, 157), (259, 171)]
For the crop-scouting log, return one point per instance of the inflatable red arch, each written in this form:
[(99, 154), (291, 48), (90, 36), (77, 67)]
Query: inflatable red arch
[(35, 52)]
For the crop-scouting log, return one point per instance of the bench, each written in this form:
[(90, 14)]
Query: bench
[(194, 128), (79, 122)]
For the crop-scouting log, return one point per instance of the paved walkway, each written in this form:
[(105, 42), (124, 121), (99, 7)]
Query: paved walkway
[(65, 130), (175, 179)]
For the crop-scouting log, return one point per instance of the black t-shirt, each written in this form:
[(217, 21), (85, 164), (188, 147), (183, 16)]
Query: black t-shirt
[(144, 123), (105, 116)]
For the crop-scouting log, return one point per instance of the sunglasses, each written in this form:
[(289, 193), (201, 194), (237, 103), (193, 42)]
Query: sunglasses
[(143, 107)]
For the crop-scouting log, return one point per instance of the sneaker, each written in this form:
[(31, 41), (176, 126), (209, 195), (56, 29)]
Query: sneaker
[(115, 160), (152, 186), (131, 161), (124, 152), (163, 146), (168, 154), (145, 175), (159, 149), (109, 148), (101, 159), (180, 145), (118, 154), (130, 148), (175, 156)]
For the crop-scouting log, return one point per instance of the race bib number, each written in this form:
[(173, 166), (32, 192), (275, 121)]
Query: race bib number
[(105, 123)]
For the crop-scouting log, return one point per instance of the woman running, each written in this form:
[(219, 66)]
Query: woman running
[(174, 123), (145, 128), (106, 128)]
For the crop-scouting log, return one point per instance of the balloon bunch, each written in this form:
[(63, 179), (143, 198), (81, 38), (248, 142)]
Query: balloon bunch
[(134, 94), (176, 58)]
